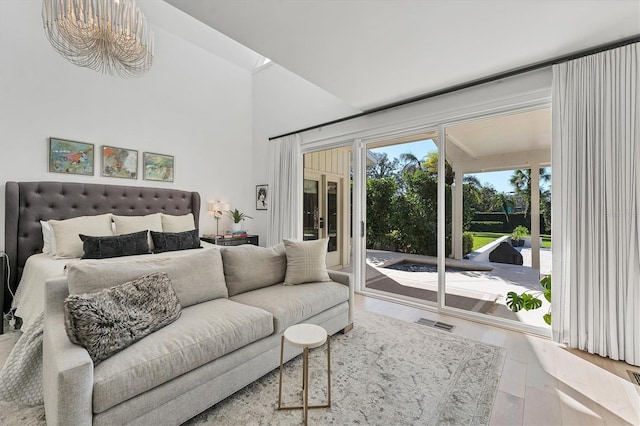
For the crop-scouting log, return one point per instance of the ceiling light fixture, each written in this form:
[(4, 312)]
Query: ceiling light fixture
[(109, 36)]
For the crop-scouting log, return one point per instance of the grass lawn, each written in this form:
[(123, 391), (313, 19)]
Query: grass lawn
[(483, 238)]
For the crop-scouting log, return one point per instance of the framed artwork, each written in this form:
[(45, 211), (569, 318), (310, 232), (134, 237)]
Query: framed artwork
[(262, 197), (119, 162), (158, 167), (71, 157)]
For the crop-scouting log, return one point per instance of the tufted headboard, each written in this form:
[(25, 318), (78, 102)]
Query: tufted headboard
[(29, 202)]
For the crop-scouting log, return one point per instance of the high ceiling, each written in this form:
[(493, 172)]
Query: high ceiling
[(371, 53)]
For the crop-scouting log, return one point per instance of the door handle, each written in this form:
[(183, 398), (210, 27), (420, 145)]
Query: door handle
[(321, 220)]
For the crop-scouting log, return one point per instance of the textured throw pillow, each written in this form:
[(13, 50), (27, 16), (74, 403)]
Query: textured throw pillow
[(182, 223), (108, 321), (306, 261), (66, 232), (173, 241), (119, 245), (250, 267), (130, 224)]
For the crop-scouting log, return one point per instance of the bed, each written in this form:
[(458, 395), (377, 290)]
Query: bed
[(29, 202)]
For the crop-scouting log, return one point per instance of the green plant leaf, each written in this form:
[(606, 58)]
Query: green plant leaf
[(547, 318), (531, 302), (546, 282), (547, 295), (514, 301)]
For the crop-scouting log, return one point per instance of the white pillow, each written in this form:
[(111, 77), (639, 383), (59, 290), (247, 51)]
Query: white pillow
[(131, 224), (49, 239), (182, 223), (306, 261), (67, 233)]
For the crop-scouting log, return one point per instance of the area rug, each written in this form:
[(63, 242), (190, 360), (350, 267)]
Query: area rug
[(384, 372)]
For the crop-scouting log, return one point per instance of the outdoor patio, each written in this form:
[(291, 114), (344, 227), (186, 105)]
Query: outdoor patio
[(482, 288)]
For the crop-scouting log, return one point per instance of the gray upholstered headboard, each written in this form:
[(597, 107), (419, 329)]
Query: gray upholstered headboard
[(29, 202)]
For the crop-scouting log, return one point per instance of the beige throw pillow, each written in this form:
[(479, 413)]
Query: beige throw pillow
[(182, 223), (306, 261), (67, 233), (248, 267), (131, 224)]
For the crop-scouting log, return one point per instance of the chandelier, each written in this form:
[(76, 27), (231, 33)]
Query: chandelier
[(109, 36)]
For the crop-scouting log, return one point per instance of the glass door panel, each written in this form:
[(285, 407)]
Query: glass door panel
[(311, 206)]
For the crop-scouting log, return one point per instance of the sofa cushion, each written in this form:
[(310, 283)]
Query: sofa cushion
[(203, 333), (196, 277), (290, 305), (112, 319), (306, 261), (248, 267)]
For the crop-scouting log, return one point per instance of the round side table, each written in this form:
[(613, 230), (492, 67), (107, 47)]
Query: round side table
[(305, 336)]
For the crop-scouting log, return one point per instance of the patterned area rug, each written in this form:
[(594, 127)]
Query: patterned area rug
[(384, 372)]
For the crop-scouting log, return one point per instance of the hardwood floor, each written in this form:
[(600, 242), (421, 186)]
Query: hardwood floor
[(542, 383)]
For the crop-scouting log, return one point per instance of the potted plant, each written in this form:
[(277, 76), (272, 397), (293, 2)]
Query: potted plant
[(237, 216), (517, 236), (530, 299)]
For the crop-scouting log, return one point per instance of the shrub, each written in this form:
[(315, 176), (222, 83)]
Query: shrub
[(486, 226), (467, 242), (519, 233)]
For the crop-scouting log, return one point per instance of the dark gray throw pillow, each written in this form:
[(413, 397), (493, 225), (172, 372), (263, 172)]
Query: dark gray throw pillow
[(108, 321), (172, 241), (119, 245)]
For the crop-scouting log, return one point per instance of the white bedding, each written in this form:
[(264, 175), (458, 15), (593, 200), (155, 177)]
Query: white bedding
[(29, 297)]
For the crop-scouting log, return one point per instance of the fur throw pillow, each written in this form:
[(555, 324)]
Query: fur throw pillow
[(108, 321)]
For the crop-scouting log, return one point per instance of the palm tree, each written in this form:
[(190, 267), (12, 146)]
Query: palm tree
[(521, 182), (410, 163)]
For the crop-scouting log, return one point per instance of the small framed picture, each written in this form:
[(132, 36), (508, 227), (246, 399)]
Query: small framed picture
[(262, 197), (71, 157), (119, 162), (159, 167)]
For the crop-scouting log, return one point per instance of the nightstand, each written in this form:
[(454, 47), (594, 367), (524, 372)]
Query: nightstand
[(249, 239)]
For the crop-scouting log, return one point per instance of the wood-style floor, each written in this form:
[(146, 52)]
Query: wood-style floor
[(542, 383)]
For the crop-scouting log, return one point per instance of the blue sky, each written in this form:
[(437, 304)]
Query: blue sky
[(499, 180)]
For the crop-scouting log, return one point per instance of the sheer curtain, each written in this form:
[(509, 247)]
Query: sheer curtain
[(596, 203), (284, 218)]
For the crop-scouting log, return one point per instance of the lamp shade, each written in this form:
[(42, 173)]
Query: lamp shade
[(217, 207)]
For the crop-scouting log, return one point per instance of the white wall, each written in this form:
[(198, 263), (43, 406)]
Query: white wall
[(192, 104), (284, 102)]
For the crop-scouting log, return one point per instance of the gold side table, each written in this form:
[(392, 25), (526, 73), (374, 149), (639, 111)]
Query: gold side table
[(306, 336)]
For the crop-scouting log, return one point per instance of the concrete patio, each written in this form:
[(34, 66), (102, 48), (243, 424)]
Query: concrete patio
[(482, 290)]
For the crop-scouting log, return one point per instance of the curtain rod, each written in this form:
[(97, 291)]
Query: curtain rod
[(477, 82)]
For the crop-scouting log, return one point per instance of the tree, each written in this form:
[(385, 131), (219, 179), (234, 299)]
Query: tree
[(410, 163), (521, 182), (381, 201), (430, 165), (383, 168)]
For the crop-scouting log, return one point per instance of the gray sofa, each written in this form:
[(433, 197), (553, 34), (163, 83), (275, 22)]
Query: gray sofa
[(228, 335)]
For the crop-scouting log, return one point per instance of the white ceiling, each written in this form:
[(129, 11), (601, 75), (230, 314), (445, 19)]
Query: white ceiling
[(370, 53), (516, 138)]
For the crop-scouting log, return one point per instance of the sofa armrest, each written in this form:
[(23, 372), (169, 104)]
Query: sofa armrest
[(67, 368), (346, 279)]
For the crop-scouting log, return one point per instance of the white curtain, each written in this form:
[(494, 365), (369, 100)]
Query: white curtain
[(596, 204), (284, 218)]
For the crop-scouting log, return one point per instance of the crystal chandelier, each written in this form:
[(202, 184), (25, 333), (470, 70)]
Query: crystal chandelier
[(110, 36)]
